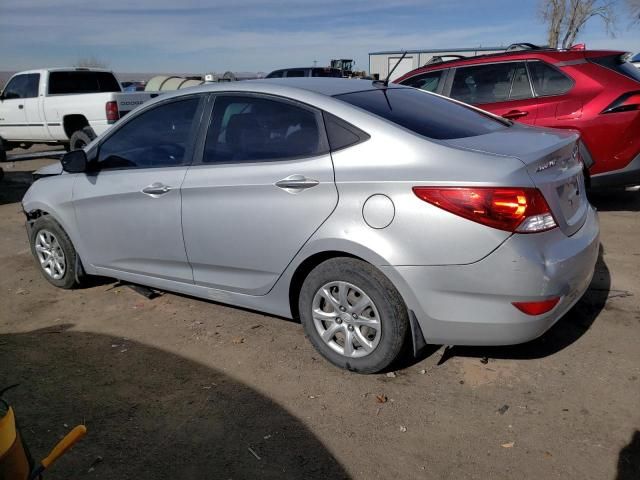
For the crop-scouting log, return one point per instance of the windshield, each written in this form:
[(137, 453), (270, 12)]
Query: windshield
[(428, 115), (618, 64), (82, 82)]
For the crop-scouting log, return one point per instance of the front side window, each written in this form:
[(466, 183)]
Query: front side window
[(155, 138), (276, 74), (65, 83), (548, 80), (22, 86), (423, 113), (256, 129), (427, 81), (481, 84), (295, 73)]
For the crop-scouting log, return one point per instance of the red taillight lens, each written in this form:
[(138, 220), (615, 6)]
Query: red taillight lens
[(537, 308), (499, 207), (111, 108), (625, 103)]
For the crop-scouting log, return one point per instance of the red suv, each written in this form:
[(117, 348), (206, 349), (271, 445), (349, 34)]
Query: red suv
[(594, 92)]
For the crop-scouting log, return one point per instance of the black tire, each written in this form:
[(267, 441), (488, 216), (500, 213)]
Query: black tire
[(394, 317), (73, 272), (81, 138), (3, 152)]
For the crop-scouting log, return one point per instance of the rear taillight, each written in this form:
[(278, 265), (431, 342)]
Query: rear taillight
[(111, 109), (522, 210), (625, 103), (537, 308)]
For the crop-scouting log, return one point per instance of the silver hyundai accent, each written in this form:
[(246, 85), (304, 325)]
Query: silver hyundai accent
[(380, 216)]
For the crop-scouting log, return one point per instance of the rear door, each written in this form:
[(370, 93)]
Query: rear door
[(33, 109), (263, 185), (553, 88), (501, 88)]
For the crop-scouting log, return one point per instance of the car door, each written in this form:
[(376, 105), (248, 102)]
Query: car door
[(500, 88), (261, 187), (13, 117), (557, 107), (33, 113), (128, 209)]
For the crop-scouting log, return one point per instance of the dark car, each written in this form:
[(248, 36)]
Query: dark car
[(594, 92), (306, 72)]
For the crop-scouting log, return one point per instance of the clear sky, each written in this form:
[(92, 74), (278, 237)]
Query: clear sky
[(261, 35)]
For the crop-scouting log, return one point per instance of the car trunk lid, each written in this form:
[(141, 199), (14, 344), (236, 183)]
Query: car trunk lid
[(553, 163)]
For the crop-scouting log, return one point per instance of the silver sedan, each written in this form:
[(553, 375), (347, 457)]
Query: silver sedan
[(379, 216)]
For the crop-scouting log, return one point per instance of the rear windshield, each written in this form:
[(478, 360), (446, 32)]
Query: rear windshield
[(82, 82), (326, 72), (423, 113), (618, 64)]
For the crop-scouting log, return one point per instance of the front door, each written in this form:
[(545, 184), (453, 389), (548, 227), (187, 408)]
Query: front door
[(262, 187), (128, 211), (13, 116)]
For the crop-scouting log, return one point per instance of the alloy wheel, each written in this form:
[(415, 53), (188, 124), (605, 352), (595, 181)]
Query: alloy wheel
[(50, 254)]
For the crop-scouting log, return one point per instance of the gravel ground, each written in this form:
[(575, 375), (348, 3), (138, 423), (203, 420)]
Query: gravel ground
[(177, 387)]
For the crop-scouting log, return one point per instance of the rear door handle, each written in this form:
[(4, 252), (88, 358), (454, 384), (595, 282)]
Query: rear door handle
[(156, 189), (20, 107), (296, 183), (513, 114)]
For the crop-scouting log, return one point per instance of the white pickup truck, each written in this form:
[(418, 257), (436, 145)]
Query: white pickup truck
[(68, 106)]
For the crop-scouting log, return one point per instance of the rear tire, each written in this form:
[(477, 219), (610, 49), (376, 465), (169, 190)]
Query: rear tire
[(365, 340), (54, 253), (81, 138), (3, 152)]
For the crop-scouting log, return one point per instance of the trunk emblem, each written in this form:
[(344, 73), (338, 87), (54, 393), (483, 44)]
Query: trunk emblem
[(546, 166)]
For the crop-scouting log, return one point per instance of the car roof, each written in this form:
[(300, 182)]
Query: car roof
[(549, 55)]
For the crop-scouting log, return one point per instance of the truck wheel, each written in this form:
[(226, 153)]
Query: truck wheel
[(81, 138), (3, 153)]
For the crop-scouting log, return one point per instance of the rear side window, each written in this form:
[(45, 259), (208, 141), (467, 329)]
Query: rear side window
[(425, 114), (276, 74), (61, 83), (342, 134), (22, 86), (256, 129), (158, 137), (618, 64), (429, 81), (481, 84), (326, 72), (548, 80)]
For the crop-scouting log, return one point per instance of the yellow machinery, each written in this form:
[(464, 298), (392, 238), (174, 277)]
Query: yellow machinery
[(15, 461)]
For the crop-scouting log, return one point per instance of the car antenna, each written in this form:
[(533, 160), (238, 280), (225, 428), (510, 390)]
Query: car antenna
[(386, 80)]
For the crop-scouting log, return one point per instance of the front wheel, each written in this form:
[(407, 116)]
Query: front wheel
[(353, 315), (57, 260)]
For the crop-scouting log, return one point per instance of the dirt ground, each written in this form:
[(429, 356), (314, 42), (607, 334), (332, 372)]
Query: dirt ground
[(177, 387)]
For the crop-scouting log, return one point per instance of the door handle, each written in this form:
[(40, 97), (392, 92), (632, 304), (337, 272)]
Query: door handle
[(156, 189), (295, 183), (513, 114), (20, 107)]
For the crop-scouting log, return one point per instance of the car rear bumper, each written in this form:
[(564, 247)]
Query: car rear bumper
[(472, 304), (623, 177)]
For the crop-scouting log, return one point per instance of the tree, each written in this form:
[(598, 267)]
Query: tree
[(634, 8), (566, 19), (91, 61)]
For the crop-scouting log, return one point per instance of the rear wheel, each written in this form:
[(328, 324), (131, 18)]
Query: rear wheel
[(54, 253), (3, 150), (353, 315), (81, 138)]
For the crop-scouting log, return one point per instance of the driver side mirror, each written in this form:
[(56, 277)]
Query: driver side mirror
[(74, 161)]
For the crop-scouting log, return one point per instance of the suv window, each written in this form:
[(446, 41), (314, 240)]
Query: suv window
[(326, 72), (158, 137), (276, 74), (61, 83), (22, 86), (299, 72), (427, 81), (423, 113), (256, 129), (617, 63), (548, 80), (481, 84)]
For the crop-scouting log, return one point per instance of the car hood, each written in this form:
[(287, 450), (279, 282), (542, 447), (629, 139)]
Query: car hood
[(48, 170)]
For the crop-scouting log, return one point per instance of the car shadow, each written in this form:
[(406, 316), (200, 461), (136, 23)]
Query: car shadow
[(13, 185), (615, 200), (565, 332), (629, 459), (150, 413)]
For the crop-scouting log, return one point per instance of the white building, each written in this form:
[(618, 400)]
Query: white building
[(380, 63)]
